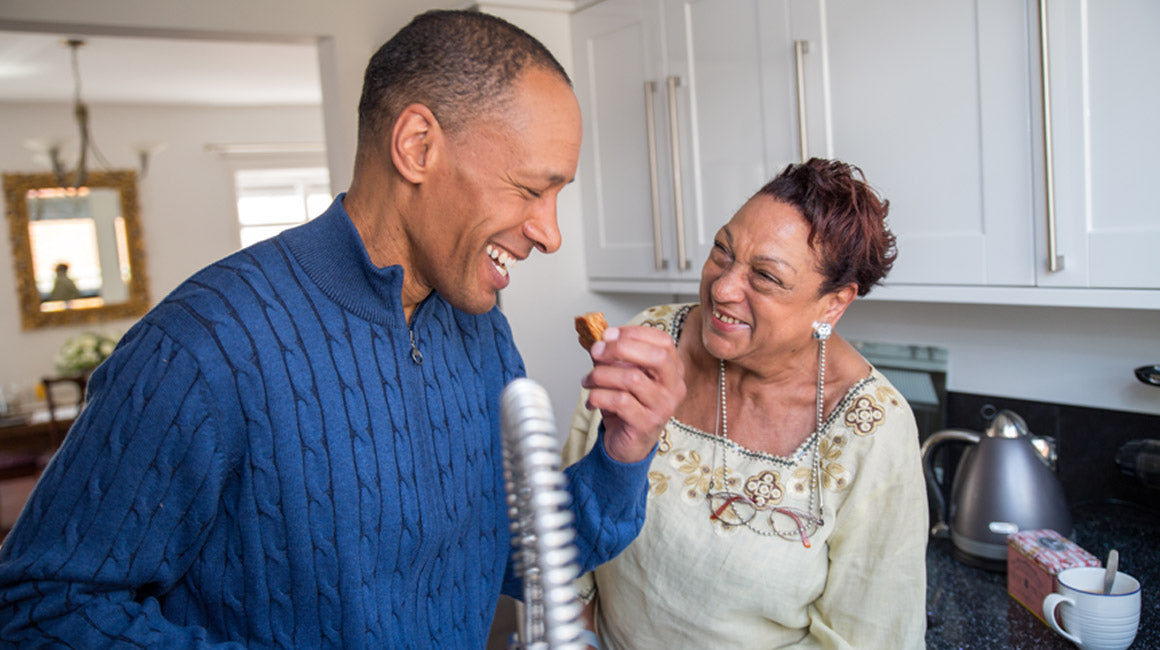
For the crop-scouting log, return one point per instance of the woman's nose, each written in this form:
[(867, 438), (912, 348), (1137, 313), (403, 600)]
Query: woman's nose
[(728, 286)]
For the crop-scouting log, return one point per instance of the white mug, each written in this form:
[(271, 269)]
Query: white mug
[(1092, 619)]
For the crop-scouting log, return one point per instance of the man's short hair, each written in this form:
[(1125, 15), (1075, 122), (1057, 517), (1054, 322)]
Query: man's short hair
[(459, 64)]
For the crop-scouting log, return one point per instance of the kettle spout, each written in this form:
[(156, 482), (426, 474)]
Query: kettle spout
[(1045, 447)]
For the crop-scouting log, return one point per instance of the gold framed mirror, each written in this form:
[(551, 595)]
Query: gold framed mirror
[(78, 252)]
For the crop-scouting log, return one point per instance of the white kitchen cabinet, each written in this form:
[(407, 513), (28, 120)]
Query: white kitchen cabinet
[(932, 100), (689, 107), (1105, 118), (942, 105)]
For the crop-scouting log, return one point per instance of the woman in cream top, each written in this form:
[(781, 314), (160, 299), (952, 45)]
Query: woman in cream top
[(764, 529)]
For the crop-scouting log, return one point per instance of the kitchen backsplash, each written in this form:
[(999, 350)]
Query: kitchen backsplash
[(1087, 440)]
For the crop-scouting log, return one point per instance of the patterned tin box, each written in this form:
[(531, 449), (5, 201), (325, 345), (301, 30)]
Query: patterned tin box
[(1034, 557)]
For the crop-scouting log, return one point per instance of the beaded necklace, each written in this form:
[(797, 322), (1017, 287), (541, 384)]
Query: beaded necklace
[(731, 508)]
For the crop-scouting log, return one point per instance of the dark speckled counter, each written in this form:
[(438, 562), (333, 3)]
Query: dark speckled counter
[(969, 608)]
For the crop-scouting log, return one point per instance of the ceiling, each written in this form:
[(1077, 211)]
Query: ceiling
[(37, 67)]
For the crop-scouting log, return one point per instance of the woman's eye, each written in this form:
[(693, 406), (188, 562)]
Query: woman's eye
[(769, 278)]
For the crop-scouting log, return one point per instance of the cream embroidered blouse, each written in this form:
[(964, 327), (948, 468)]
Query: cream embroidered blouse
[(688, 582)]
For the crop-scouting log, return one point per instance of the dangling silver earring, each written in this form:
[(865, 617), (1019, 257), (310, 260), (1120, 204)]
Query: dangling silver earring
[(822, 330)]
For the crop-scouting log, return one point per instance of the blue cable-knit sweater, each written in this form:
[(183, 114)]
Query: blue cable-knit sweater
[(265, 461)]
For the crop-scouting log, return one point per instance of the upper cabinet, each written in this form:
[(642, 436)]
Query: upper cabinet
[(1104, 62), (689, 107), (932, 100), (990, 166)]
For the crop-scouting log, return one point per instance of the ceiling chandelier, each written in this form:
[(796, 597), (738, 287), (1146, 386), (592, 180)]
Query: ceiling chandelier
[(81, 114)]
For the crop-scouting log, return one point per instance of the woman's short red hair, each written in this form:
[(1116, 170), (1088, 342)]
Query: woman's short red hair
[(847, 221)]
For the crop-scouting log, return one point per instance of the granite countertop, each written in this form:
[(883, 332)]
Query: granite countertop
[(968, 607)]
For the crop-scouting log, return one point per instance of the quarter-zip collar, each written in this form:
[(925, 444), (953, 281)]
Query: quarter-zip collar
[(333, 255)]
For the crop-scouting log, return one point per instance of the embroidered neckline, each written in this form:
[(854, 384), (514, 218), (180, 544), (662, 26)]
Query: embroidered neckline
[(677, 327), (806, 445)]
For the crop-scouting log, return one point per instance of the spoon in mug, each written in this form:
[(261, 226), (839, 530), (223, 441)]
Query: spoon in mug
[(1110, 574)]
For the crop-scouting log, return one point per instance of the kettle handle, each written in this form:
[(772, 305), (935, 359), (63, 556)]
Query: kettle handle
[(929, 446)]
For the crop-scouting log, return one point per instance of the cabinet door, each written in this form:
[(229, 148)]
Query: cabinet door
[(723, 118), (615, 46), (1105, 63), (933, 101), (734, 106)]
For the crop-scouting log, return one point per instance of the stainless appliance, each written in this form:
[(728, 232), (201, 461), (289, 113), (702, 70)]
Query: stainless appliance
[(1140, 459), (1003, 483), (1149, 374)]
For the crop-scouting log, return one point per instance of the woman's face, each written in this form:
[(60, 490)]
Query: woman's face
[(759, 287)]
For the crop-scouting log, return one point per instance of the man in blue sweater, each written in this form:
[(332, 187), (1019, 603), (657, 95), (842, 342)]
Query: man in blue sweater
[(299, 446)]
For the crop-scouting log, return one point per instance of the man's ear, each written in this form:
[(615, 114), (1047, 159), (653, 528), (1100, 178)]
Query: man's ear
[(414, 140)]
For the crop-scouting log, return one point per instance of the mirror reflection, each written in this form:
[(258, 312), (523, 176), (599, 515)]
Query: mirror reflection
[(78, 250), (80, 257)]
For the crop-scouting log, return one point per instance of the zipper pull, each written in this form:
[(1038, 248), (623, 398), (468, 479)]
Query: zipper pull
[(416, 355)]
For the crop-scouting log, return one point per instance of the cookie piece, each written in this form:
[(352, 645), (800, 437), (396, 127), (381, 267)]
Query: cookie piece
[(591, 328)]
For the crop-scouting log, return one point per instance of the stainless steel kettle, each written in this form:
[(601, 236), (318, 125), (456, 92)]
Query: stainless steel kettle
[(1003, 484)]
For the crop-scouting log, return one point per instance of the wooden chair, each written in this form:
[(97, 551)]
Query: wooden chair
[(58, 392), (17, 465), (20, 464)]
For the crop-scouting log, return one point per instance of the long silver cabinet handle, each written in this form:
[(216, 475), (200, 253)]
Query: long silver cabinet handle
[(678, 195), (1054, 259), (659, 261), (800, 49)]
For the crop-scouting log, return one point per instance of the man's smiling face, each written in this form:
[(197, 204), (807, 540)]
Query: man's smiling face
[(495, 196)]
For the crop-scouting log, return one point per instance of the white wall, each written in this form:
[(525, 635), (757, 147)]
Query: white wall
[(1077, 356), (196, 205), (547, 291), (347, 33), (186, 197)]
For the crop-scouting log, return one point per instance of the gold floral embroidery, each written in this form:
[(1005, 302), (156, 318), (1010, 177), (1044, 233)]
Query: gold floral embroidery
[(830, 449), (687, 461), (698, 475), (656, 324), (864, 415), (836, 440), (659, 318), (664, 445), (801, 481), (835, 477), (662, 312), (887, 394), (724, 480), (658, 483), (764, 489)]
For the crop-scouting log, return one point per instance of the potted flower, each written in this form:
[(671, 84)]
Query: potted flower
[(80, 355)]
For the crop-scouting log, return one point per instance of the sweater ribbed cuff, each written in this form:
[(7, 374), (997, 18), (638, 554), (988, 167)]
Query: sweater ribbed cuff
[(624, 478)]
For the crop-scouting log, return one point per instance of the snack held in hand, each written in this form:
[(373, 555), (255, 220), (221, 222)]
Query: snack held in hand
[(591, 328)]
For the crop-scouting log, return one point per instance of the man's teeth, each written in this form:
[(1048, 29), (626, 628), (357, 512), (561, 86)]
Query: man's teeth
[(726, 319), (502, 260)]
